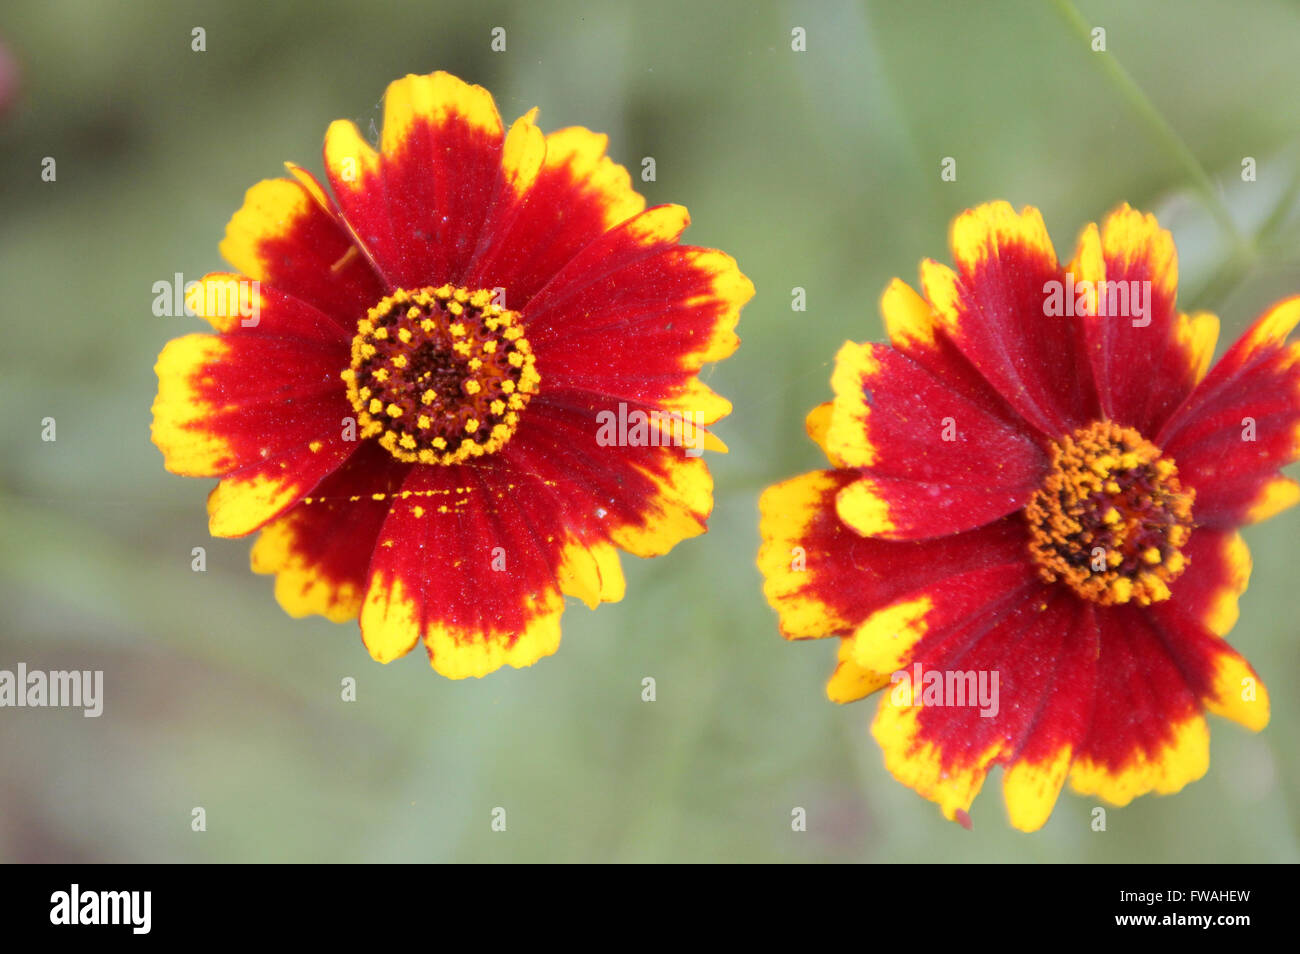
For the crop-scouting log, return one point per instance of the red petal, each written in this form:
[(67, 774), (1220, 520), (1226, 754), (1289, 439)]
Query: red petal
[(223, 298), (645, 498), (1241, 425), (1218, 570), (1144, 365), (823, 579), (914, 329), (1215, 672), (420, 202), (578, 195), (265, 413), (1018, 633), (934, 463), (461, 564), (320, 550), (1067, 663), (286, 235), (992, 307), (1147, 733), (634, 316)]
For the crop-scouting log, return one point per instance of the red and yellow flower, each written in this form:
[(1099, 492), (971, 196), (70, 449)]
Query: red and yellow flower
[(1052, 496), (409, 416)]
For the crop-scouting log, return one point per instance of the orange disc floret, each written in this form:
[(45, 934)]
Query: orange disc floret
[(1111, 517)]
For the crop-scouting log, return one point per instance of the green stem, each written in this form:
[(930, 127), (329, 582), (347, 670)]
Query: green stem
[(1157, 124), (1240, 262), (1268, 231), (1226, 278)]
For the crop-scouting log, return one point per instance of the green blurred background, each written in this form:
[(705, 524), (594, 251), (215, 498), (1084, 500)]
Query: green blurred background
[(817, 169)]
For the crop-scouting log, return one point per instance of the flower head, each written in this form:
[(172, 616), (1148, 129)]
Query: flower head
[(406, 390), (1029, 527)]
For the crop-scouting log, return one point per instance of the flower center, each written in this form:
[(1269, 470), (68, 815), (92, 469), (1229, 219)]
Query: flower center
[(439, 375), (1111, 517)]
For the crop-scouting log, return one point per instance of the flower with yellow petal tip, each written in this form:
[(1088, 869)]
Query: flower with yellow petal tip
[(409, 372), (1028, 529)]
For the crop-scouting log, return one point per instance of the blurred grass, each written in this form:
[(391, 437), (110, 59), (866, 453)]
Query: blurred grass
[(816, 169)]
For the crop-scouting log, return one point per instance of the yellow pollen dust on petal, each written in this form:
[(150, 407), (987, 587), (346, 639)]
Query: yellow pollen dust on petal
[(1111, 516)]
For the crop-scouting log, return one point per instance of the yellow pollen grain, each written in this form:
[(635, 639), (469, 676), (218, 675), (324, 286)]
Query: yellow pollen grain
[(1157, 589)]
